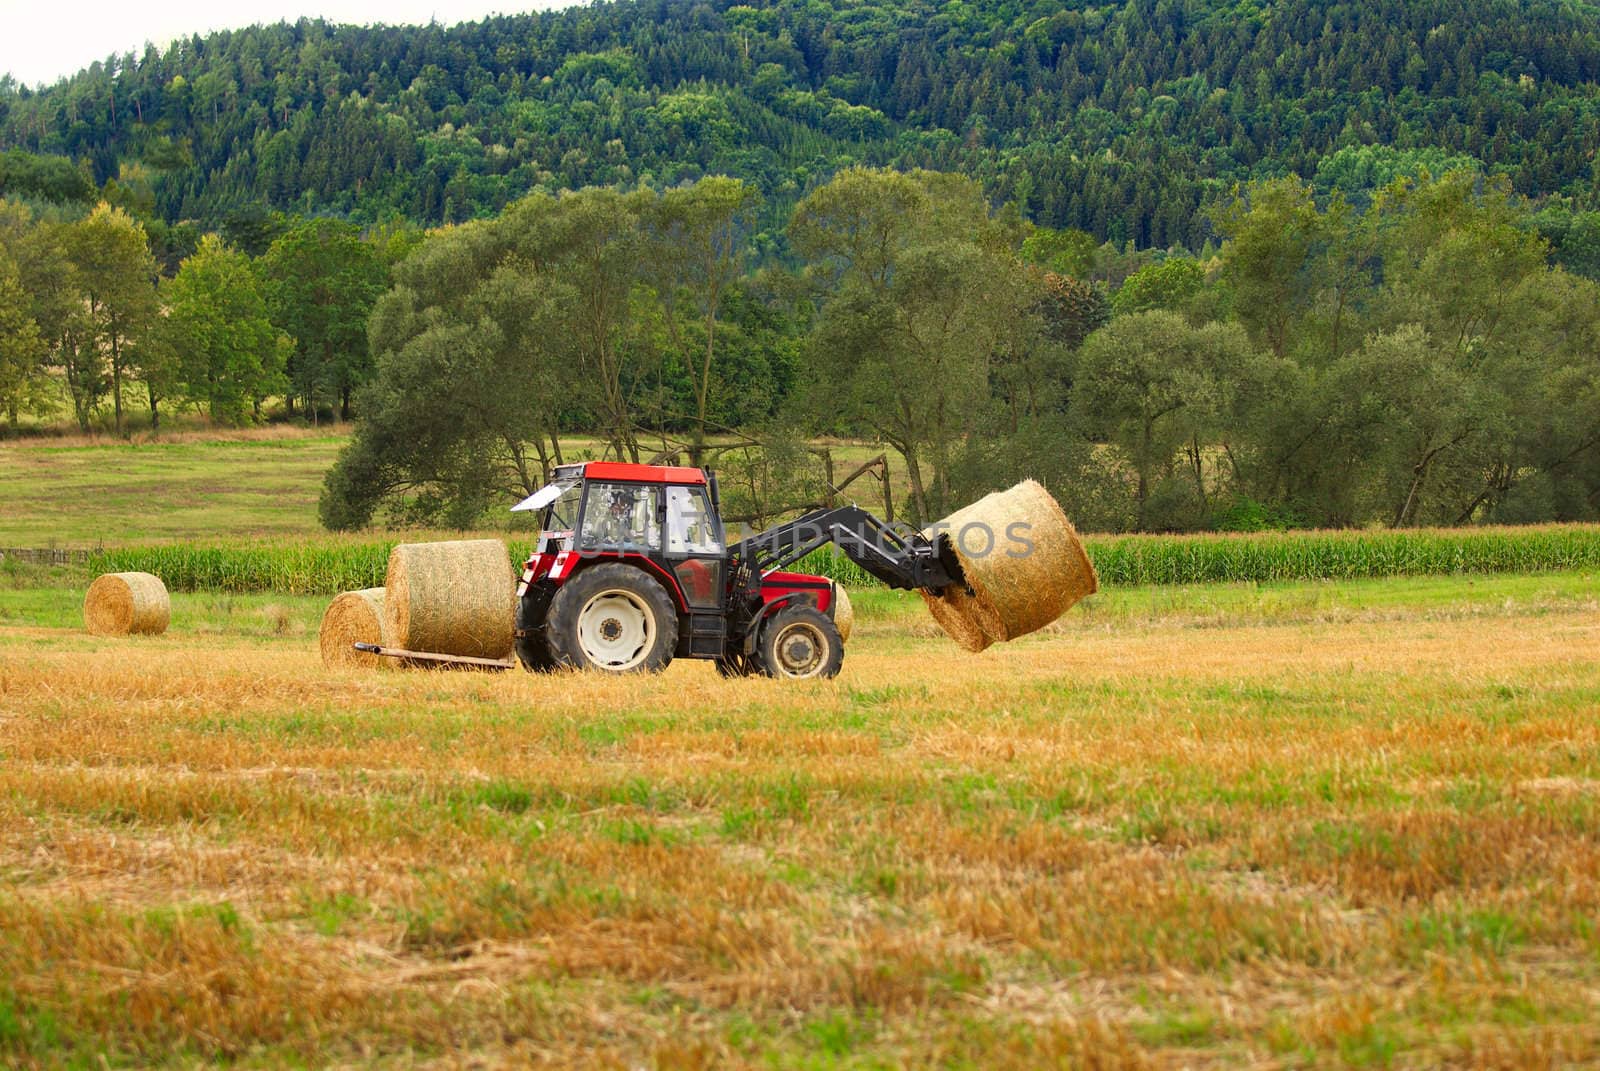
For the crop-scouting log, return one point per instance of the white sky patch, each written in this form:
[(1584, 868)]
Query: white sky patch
[(41, 41)]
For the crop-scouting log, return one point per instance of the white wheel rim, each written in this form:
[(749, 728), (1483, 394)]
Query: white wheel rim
[(801, 650), (616, 630)]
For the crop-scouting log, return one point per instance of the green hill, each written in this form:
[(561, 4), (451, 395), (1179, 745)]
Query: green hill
[(1124, 119)]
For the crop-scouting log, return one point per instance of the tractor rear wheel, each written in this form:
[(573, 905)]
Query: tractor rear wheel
[(801, 643), (612, 617)]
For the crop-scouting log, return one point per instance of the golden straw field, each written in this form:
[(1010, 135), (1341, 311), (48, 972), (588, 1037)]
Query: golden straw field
[(1280, 826)]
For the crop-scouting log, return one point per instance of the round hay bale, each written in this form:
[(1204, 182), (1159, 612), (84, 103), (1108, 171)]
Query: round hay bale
[(457, 597), (354, 617), (118, 604), (957, 613), (844, 615), (1022, 560)]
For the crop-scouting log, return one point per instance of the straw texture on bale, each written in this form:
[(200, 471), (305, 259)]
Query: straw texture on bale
[(844, 615), (1023, 561), (456, 597), (121, 603), (354, 617), (957, 613)]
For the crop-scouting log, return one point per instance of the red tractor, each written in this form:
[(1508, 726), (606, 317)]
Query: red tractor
[(633, 568)]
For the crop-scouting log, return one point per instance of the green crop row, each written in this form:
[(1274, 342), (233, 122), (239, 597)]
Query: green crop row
[(325, 567), (1267, 556), (287, 567)]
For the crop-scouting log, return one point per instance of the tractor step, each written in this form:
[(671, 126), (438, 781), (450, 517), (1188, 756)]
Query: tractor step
[(430, 656)]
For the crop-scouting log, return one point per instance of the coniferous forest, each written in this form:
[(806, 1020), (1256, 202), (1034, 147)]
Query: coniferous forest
[(1124, 120)]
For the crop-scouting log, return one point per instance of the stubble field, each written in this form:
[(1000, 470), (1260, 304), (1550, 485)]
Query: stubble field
[(1278, 826)]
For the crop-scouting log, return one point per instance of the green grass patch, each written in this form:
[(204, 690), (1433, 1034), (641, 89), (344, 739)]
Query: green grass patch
[(81, 495), (259, 616)]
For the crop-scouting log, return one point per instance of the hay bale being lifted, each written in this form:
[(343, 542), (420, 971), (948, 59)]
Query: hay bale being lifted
[(957, 613), (1023, 561), (118, 604), (457, 597), (354, 617)]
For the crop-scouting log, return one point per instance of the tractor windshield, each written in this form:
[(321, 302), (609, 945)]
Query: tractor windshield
[(561, 516), (620, 516)]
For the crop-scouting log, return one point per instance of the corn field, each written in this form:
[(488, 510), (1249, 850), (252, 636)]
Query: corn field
[(288, 568), (1342, 555), (324, 567)]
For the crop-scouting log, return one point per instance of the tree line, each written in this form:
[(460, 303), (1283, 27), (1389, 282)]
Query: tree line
[(1127, 120), (86, 311), (1419, 357), (1416, 361)]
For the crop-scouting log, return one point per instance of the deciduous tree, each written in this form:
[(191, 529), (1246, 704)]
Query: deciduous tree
[(1168, 284), (923, 290), (1156, 387), (699, 244), (321, 282), (474, 367), (229, 355), (21, 349), (116, 275)]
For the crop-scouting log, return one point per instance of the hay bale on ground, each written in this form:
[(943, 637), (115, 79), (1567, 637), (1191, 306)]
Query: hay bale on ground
[(1023, 562), (457, 597), (844, 615), (118, 604), (354, 617)]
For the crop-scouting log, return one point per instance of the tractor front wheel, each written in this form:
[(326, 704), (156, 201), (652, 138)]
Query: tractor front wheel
[(612, 617), (801, 643)]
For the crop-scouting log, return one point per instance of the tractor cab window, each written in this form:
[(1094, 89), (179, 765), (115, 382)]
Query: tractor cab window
[(691, 527), (561, 516), (620, 516)]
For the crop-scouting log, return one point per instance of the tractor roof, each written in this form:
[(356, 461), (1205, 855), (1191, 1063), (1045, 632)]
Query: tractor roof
[(618, 470)]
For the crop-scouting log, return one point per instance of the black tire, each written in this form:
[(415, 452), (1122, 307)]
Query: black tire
[(533, 651), (634, 631), (800, 643)]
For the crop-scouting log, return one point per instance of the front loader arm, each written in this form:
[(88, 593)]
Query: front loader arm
[(901, 559)]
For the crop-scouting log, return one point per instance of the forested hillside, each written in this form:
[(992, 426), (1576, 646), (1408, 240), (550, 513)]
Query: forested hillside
[(1123, 119), (1193, 265)]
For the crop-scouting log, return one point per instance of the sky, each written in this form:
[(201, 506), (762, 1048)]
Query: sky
[(43, 40)]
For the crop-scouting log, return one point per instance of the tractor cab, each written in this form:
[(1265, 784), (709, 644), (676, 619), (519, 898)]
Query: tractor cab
[(658, 517)]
